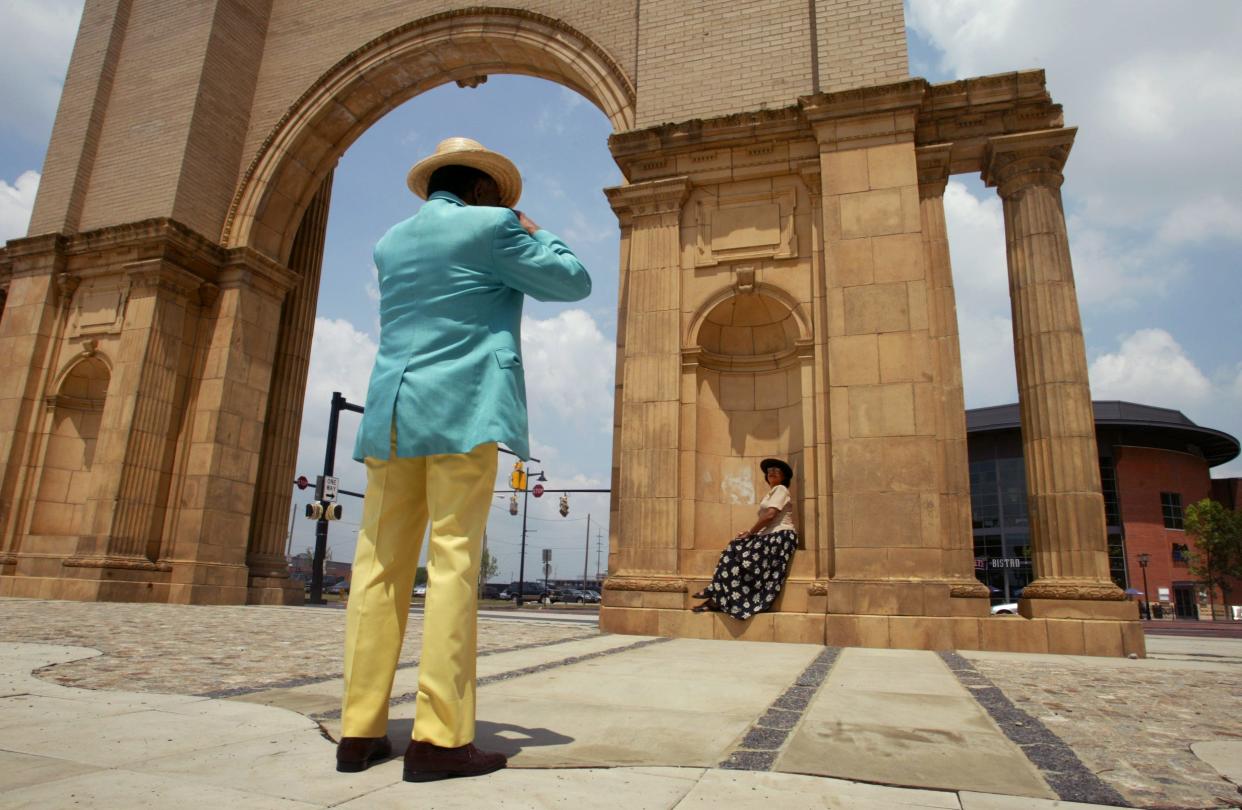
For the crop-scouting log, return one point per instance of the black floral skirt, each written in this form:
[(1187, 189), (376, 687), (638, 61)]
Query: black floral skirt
[(751, 573)]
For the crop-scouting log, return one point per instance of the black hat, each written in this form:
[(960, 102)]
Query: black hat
[(768, 463)]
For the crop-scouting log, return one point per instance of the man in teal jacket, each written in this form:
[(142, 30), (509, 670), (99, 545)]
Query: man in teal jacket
[(447, 385)]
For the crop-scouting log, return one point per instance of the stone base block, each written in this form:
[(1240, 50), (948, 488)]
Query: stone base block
[(1062, 636), (899, 598), (82, 589), (272, 591), (1126, 611)]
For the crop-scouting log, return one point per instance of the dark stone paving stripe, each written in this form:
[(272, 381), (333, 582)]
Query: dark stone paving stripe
[(1065, 772), (336, 676), (410, 697), (763, 742)]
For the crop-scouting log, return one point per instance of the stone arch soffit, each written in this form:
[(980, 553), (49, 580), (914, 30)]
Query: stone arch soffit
[(306, 143), (691, 338)]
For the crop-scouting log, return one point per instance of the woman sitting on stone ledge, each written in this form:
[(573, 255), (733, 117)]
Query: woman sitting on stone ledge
[(752, 568)]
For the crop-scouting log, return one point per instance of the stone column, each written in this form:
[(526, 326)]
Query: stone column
[(1068, 535), (269, 575), (649, 372), (953, 467)]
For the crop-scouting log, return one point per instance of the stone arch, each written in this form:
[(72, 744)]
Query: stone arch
[(304, 146), (75, 413), (766, 313), (751, 368)]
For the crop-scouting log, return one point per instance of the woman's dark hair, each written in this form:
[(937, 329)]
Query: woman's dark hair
[(456, 180)]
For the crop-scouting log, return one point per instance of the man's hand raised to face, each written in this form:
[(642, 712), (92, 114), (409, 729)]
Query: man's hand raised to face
[(526, 222)]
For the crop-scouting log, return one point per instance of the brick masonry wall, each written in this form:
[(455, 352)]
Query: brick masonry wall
[(163, 112), (1142, 474)]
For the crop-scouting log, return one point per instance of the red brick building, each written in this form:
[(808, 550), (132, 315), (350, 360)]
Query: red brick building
[(1154, 462)]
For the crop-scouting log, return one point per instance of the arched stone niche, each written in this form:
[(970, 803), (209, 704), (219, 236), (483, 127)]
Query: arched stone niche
[(75, 413), (750, 363)]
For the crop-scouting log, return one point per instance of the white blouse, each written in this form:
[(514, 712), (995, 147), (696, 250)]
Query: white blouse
[(778, 498)]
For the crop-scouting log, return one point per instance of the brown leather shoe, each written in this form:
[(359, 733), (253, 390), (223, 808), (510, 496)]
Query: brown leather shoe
[(355, 754), (425, 762)]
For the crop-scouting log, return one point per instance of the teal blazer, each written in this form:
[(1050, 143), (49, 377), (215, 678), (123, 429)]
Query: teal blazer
[(448, 372)]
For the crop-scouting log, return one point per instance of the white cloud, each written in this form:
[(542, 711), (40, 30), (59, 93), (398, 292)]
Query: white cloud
[(1151, 368), (981, 287), (35, 43), (16, 203), (569, 368), (1152, 87)]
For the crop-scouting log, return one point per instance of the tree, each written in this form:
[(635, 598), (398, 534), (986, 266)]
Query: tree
[(1217, 555), (489, 566)]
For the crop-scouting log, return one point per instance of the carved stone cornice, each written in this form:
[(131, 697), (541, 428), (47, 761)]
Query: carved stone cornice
[(968, 112), (159, 274), (650, 198), (248, 266), (651, 584), (863, 101), (933, 168), (1090, 589), (736, 129), (1015, 162)]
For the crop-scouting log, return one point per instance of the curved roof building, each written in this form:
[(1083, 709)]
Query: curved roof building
[(1153, 463)]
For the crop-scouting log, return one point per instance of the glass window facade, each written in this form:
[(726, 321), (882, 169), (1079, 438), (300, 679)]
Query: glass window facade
[(1171, 508), (1001, 522)]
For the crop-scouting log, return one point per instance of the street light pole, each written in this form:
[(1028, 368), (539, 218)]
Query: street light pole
[(522, 563), (1143, 559)]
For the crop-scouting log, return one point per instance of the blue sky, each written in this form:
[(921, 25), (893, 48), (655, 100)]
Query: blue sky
[(1153, 194)]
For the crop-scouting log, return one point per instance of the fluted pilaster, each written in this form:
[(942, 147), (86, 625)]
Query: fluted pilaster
[(126, 512), (649, 372), (1068, 535), (266, 552), (946, 366)]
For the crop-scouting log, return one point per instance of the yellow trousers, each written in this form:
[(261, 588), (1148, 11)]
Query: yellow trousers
[(454, 493)]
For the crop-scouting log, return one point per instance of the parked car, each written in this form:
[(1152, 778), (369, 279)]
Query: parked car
[(339, 588), (1009, 608), (567, 595), (531, 591), (420, 590), (592, 597), (491, 591)]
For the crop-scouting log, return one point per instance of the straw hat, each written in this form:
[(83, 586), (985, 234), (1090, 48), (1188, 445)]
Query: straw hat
[(467, 152)]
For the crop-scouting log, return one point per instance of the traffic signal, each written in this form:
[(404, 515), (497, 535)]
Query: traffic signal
[(513, 504), (564, 506), (517, 479), (323, 510)]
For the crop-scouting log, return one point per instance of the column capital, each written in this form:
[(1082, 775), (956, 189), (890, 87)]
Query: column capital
[(933, 168), (648, 199), (1012, 163)]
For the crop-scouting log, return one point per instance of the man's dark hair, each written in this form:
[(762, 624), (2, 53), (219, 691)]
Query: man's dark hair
[(456, 180)]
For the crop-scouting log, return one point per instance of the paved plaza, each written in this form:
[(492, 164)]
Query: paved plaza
[(126, 705)]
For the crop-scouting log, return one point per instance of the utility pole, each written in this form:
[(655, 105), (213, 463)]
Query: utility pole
[(586, 553), (599, 547), (293, 516)]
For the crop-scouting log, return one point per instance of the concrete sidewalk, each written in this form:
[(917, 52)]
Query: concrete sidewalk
[(598, 722)]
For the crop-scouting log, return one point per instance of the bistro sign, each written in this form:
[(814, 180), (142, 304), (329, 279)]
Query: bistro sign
[(1000, 563)]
